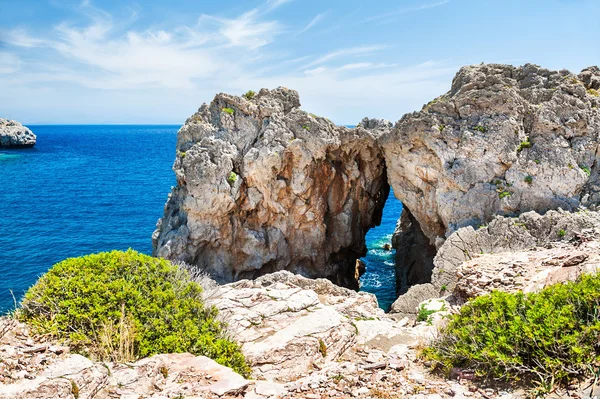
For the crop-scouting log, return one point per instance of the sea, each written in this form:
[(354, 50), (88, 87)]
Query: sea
[(90, 188)]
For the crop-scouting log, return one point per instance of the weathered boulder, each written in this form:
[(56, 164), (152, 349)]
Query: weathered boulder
[(504, 140), (509, 254), (263, 186), (15, 135)]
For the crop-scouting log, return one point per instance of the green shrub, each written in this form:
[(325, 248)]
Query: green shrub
[(524, 144), (249, 95), (306, 127), (504, 194), (230, 111), (480, 128), (122, 306), (586, 170), (594, 93), (322, 348), (441, 127), (549, 336), (528, 179), (232, 178), (424, 313), (537, 161), (561, 233)]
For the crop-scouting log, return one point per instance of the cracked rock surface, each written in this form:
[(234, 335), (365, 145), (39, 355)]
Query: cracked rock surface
[(263, 186)]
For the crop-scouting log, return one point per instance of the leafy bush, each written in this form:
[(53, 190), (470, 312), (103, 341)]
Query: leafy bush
[(230, 111), (232, 178), (122, 306), (504, 194), (249, 95), (480, 128), (586, 170), (424, 313), (551, 336), (528, 179), (524, 144), (594, 93), (561, 233)]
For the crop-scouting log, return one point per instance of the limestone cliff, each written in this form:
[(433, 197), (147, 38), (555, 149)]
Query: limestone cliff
[(15, 135), (504, 140), (263, 186)]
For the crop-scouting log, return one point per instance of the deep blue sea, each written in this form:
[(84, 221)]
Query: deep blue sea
[(86, 189)]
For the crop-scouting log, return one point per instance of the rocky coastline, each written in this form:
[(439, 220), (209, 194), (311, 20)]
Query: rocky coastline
[(15, 135), (500, 183)]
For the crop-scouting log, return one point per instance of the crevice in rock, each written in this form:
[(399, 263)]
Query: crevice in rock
[(414, 253)]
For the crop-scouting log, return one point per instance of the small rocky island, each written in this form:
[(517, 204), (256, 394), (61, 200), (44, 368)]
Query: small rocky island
[(15, 135)]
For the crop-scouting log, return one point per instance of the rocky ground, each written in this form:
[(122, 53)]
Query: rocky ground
[(303, 338), (15, 135)]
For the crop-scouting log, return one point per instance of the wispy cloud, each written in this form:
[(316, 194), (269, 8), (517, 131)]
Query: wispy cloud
[(421, 7), (352, 51), (313, 22), (273, 4), (246, 30)]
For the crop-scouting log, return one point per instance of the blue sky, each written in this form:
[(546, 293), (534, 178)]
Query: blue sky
[(156, 61)]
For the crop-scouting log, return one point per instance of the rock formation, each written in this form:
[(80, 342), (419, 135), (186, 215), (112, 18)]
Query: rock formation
[(15, 135), (504, 140), (263, 186), (519, 252)]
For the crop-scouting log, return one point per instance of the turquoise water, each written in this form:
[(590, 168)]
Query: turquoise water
[(85, 189), (380, 276)]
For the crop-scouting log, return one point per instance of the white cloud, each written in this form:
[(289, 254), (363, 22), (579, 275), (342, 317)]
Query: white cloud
[(313, 22), (352, 51), (245, 30), (400, 11)]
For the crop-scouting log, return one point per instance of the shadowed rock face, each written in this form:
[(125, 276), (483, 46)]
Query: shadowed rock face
[(264, 186), (15, 135)]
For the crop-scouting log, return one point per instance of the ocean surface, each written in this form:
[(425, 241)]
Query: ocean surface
[(86, 189)]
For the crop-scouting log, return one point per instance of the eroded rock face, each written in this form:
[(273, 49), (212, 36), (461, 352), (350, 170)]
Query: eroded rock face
[(15, 135), (504, 140), (264, 186), (512, 253)]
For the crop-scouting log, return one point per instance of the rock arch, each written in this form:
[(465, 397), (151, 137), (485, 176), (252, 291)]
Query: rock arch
[(264, 186)]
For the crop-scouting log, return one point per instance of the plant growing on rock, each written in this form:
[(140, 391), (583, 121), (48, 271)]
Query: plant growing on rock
[(528, 179), (504, 194), (524, 144), (593, 92), (249, 95), (122, 306), (561, 233), (586, 170), (480, 128), (229, 111), (232, 178), (551, 336)]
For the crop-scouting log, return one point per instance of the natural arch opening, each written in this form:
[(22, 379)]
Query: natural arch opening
[(399, 255), (380, 263)]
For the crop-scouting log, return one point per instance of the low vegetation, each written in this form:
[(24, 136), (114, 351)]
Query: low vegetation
[(586, 170), (593, 92), (504, 194), (551, 336), (249, 95), (232, 178), (121, 306), (480, 128), (528, 179), (524, 144), (229, 111)]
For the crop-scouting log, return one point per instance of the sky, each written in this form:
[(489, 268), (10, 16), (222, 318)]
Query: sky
[(157, 61)]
